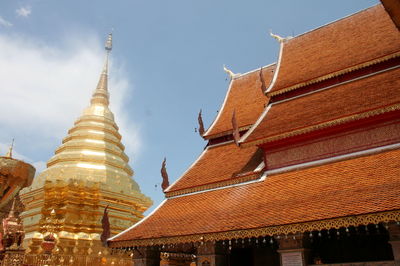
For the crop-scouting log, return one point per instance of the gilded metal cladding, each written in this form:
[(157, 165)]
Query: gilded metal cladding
[(88, 172)]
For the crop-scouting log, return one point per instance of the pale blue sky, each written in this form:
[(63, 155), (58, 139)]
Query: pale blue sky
[(167, 64)]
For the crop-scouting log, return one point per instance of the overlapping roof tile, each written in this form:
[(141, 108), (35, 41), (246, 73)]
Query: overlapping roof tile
[(246, 98), (363, 37), (219, 163), (358, 186)]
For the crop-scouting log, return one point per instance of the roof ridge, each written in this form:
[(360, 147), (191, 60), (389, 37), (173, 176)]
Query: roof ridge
[(238, 86), (254, 70), (334, 21), (220, 111), (187, 170)]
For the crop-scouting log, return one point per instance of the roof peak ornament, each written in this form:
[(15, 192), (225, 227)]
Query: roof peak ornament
[(230, 73), (10, 150), (235, 128), (279, 38), (164, 175), (262, 80), (201, 124)]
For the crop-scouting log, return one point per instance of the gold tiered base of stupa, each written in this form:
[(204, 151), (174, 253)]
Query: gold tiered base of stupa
[(79, 208)]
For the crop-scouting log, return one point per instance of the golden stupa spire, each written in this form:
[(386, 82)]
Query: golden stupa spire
[(89, 170), (100, 95), (94, 141), (10, 150)]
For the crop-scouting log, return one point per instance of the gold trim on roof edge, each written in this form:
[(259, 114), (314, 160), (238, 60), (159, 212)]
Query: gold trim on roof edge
[(235, 180), (331, 123), (225, 133), (334, 74), (336, 223)]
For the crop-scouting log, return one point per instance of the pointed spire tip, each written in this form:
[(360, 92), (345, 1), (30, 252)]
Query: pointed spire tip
[(11, 214), (108, 45), (10, 150)]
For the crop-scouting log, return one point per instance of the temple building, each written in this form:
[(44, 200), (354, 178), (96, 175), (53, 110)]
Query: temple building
[(88, 173), (315, 175), (14, 175)]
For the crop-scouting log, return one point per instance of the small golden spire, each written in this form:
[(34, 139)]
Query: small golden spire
[(10, 150), (108, 47), (11, 214)]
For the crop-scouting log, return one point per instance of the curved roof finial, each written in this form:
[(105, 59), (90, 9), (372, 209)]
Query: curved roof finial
[(229, 72), (10, 150), (279, 38)]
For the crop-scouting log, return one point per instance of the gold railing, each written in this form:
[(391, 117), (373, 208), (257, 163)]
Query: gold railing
[(63, 260)]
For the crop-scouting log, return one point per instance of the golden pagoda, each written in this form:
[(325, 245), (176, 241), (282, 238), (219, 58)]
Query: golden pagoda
[(88, 172)]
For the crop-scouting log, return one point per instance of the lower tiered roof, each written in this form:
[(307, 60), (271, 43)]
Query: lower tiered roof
[(354, 190), (219, 164)]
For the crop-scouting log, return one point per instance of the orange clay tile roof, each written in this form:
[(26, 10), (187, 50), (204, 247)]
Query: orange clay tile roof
[(246, 97), (327, 107), (357, 186), (219, 163), (354, 40)]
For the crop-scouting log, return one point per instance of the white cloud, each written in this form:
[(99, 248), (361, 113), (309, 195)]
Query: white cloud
[(24, 11), (45, 88), (5, 23)]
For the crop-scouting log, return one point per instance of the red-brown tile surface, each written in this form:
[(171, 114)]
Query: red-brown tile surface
[(355, 97), (246, 98), (218, 164), (353, 187), (362, 37)]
